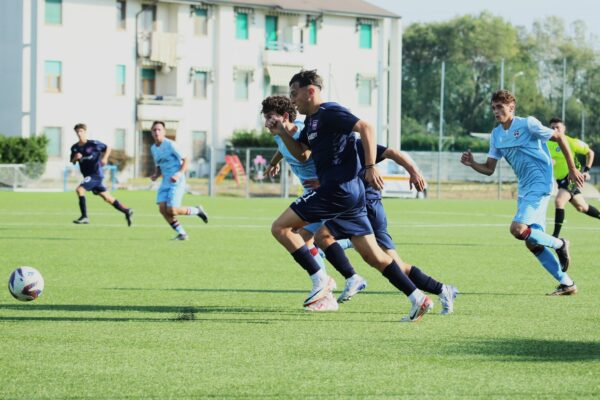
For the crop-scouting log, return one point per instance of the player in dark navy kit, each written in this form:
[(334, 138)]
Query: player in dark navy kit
[(92, 155), (378, 219), (329, 139)]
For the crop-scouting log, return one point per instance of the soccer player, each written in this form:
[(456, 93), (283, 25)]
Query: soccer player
[(378, 219), (328, 138), (522, 141), (171, 164), (568, 192), (92, 155), (282, 107)]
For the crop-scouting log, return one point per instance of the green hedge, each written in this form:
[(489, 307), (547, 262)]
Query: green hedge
[(252, 138), (29, 151)]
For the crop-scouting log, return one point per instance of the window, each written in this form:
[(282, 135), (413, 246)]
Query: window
[(200, 84), (200, 22), (241, 26), (121, 14), (365, 36), (312, 31), (148, 81), (120, 80), (365, 88), (242, 83), (198, 145), (271, 32), (148, 18), (54, 135), (53, 12), (120, 139), (53, 75)]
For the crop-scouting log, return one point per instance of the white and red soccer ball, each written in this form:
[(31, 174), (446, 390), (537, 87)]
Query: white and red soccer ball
[(26, 284)]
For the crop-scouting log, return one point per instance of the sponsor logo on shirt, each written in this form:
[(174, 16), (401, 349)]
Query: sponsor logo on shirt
[(516, 133), (312, 135)]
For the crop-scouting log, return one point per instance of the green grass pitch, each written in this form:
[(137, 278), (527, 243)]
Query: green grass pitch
[(128, 313)]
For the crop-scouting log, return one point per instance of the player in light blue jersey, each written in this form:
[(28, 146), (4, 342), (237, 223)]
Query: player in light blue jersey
[(171, 163), (522, 142)]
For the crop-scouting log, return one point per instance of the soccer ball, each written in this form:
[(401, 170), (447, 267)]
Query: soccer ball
[(26, 284)]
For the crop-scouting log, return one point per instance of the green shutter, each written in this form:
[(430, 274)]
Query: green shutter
[(52, 68), (364, 92), (312, 32), (120, 74), (53, 12), (241, 86), (148, 73), (54, 141), (200, 12), (241, 26), (271, 32), (365, 32)]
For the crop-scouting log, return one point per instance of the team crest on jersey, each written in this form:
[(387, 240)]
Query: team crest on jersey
[(516, 133), (313, 123)]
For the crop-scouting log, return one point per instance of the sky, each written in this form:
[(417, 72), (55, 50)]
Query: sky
[(518, 12)]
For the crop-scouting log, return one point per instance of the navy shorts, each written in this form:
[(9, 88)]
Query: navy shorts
[(378, 219), (341, 205), (569, 186), (93, 184)]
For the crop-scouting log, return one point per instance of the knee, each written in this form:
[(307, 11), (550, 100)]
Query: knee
[(277, 230), (520, 232)]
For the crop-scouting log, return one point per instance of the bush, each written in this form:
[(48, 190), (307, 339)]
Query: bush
[(429, 142), (29, 151), (252, 138)]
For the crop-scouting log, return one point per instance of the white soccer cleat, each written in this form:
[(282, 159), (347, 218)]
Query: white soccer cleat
[(354, 284), (447, 297), (327, 303), (418, 310), (320, 290)]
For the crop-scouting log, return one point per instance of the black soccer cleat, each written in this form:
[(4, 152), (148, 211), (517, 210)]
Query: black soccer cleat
[(129, 216), (564, 290), (202, 214), (563, 255), (81, 221)]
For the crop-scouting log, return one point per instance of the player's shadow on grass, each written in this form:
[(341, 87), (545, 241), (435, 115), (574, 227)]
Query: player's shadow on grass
[(267, 291), (538, 350)]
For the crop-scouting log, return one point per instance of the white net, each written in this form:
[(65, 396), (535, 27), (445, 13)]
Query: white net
[(13, 176)]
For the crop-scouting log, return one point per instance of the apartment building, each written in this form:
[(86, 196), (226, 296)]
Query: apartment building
[(203, 67)]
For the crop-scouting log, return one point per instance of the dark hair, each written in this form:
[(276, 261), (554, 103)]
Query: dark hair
[(80, 126), (307, 77), (504, 97), (159, 122), (279, 104), (556, 120)]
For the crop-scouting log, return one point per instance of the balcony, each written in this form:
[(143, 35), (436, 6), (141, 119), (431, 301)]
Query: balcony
[(159, 47), (163, 108), (283, 53)]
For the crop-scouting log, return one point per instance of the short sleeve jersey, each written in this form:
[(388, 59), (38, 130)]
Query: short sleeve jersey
[(167, 157), (305, 171), (370, 192), (328, 133), (561, 168), (523, 145), (91, 152)]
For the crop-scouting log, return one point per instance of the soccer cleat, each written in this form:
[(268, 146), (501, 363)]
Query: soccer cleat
[(181, 236), (563, 255), (320, 290), (447, 297), (202, 214), (564, 290), (418, 310), (354, 284), (129, 216), (327, 303), (81, 220)]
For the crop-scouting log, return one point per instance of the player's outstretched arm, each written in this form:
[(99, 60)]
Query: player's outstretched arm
[(416, 179), (486, 168)]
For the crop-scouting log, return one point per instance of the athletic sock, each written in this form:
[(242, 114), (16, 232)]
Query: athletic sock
[(336, 256), (82, 206), (178, 227), (593, 212), (116, 204), (424, 281), (559, 217), (539, 237), (317, 256), (550, 263), (193, 211), (397, 278), (306, 260)]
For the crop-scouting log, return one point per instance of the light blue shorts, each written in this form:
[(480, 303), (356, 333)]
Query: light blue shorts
[(171, 193), (531, 210)]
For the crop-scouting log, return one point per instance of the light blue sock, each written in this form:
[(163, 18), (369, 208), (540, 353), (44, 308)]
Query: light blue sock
[(550, 263), (539, 237), (345, 243)]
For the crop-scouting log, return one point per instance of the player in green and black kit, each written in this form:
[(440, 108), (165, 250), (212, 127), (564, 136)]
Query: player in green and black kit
[(567, 191)]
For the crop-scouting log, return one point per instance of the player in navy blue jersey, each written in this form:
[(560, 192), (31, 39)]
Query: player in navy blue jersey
[(92, 155), (378, 220), (329, 139)]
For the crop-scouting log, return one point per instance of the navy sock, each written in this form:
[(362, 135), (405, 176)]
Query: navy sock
[(336, 256), (82, 206), (306, 260), (424, 281), (397, 278), (119, 206), (559, 217), (593, 212)]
